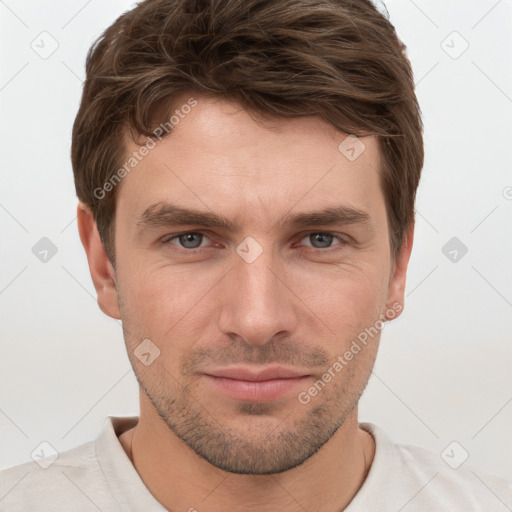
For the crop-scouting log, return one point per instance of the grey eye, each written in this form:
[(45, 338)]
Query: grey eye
[(323, 239), (191, 240)]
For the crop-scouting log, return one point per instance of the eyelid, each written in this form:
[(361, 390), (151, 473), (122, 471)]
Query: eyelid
[(340, 237), (168, 238)]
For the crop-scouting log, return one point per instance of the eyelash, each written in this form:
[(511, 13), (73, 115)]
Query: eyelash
[(199, 250)]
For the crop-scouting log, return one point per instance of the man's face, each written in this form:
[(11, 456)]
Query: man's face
[(263, 293)]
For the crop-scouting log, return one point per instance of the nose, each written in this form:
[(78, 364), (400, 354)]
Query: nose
[(257, 303)]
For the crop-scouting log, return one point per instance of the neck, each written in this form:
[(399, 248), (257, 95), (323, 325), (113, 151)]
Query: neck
[(180, 480)]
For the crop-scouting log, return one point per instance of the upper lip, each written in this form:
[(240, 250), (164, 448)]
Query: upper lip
[(256, 374)]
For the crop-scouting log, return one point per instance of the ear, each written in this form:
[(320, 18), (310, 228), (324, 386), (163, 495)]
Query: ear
[(102, 272), (396, 287)]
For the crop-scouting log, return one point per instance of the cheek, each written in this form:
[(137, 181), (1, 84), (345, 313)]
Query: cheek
[(352, 307), (161, 302), (347, 299), (181, 303)]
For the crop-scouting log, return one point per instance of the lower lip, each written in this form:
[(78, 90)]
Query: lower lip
[(257, 391)]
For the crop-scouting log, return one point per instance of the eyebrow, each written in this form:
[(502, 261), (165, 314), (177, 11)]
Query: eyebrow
[(168, 215)]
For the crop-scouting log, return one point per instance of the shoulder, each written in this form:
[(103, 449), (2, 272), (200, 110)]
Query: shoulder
[(454, 480), (52, 482), (444, 480)]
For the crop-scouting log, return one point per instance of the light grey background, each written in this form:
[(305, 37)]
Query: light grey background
[(443, 372)]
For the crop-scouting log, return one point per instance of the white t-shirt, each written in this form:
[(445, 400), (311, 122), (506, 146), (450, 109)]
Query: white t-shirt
[(98, 475)]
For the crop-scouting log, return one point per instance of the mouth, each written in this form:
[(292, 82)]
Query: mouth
[(256, 384)]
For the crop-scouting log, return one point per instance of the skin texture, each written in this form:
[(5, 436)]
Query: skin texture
[(293, 306)]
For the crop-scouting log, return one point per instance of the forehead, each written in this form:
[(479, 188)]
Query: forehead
[(220, 157)]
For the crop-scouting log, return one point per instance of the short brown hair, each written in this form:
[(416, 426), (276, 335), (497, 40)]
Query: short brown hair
[(340, 60)]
